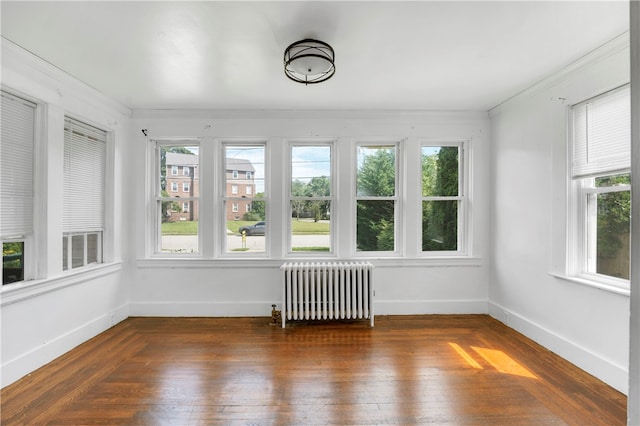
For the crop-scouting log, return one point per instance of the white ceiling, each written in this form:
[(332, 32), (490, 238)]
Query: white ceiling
[(389, 55)]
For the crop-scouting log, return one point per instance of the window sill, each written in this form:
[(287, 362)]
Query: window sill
[(17, 292), (613, 286), (188, 263)]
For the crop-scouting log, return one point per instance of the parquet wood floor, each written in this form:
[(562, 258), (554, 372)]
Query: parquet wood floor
[(434, 369)]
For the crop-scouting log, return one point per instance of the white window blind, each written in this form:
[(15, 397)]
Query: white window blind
[(84, 177), (602, 134), (16, 163)]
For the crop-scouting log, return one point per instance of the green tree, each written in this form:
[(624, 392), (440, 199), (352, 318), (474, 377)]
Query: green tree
[(298, 189), (440, 217), (613, 219), (375, 218), (258, 206), (318, 187)]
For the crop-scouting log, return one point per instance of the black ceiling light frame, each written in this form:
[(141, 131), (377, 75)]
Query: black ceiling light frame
[(309, 61)]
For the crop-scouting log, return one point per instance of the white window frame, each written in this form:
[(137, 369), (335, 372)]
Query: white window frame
[(234, 189), (156, 195), (185, 207), (70, 220), (234, 207), (26, 236), (249, 175), (460, 198), (68, 237), (185, 171), (174, 170), (331, 198), (185, 186), (248, 190), (580, 265), (396, 198), (174, 186), (226, 199)]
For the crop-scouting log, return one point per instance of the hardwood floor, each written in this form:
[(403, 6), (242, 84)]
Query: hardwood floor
[(439, 370)]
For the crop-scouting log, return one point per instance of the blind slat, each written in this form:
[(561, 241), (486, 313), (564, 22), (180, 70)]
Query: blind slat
[(16, 165), (84, 177), (602, 135)]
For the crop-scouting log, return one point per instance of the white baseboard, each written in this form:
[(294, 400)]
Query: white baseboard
[(263, 309), (202, 309), (616, 376), (16, 368), (430, 307)]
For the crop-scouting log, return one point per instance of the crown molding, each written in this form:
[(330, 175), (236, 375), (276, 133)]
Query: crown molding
[(599, 54), (311, 114), (25, 63)]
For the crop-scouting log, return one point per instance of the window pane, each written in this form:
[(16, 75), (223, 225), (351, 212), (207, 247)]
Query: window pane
[(376, 171), (613, 180), (12, 262), (311, 171), (245, 205), (92, 248), (375, 225), (77, 251), (613, 234), (310, 226), (440, 225), (310, 183), (248, 235), (179, 218), (440, 171), (65, 253)]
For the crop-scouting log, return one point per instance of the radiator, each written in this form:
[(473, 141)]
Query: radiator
[(327, 290)]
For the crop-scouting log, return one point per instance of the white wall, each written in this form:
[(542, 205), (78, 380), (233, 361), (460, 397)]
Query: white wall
[(44, 318), (586, 325), (249, 287)]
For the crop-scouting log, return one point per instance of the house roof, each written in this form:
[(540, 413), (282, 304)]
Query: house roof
[(240, 165), (176, 159)]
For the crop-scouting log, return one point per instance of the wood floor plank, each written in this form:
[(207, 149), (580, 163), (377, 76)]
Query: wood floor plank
[(433, 369)]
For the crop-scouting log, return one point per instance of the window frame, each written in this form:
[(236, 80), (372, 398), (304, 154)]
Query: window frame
[(224, 185), (331, 143), (462, 237), (157, 198), (580, 264), (29, 239), (399, 249)]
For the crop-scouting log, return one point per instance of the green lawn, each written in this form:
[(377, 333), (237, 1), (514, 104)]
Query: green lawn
[(300, 227)]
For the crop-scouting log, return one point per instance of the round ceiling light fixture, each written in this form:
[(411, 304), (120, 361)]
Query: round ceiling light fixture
[(309, 61)]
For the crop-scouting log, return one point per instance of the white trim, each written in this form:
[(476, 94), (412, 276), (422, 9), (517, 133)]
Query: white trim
[(263, 308), (246, 263), (431, 307), (602, 53), (613, 285), (593, 363), (17, 292), (439, 116)]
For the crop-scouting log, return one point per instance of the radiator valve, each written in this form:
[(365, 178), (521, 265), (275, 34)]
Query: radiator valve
[(276, 316)]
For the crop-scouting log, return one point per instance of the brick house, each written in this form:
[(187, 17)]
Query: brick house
[(240, 187), (182, 182)]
